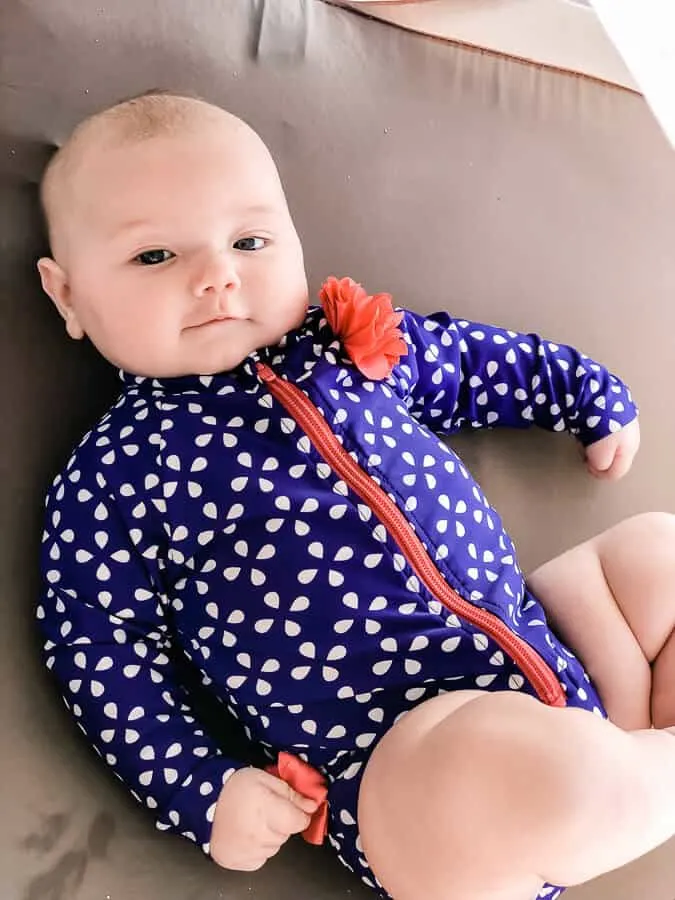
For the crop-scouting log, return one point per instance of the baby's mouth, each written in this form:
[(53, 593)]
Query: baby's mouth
[(214, 320)]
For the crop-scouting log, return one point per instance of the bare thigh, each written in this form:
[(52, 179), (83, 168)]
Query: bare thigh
[(488, 796), (384, 806), (612, 600)]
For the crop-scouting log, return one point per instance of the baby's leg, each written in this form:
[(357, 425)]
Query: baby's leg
[(475, 796), (612, 600)]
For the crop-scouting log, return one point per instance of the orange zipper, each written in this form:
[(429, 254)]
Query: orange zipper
[(532, 665)]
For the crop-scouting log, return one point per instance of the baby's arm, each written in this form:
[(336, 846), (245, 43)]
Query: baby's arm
[(463, 374), (108, 644)]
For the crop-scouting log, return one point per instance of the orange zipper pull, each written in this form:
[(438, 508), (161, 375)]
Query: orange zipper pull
[(265, 373)]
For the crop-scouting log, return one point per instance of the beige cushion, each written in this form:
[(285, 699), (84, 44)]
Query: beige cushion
[(452, 179), (564, 34)]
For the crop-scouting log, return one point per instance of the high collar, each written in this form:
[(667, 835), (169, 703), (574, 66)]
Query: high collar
[(244, 377)]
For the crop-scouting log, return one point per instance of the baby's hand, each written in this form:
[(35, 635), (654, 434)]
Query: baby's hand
[(611, 457), (255, 815)]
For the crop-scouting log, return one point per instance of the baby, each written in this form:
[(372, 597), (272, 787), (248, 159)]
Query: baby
[(268, 502)]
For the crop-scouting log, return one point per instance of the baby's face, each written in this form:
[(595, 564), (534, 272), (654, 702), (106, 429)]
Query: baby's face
[(179, 253)]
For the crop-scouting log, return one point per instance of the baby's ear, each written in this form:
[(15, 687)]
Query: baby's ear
[(55, 284)]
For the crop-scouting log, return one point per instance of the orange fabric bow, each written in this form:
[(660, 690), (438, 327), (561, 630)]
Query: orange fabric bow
[(306, 781), (366, 324)]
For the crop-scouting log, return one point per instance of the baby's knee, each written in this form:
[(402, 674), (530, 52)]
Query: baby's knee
[(659, 527), (647, 539), (644, 529)]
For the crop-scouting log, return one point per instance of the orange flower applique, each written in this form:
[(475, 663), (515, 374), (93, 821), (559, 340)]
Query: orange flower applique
[(366, 324)]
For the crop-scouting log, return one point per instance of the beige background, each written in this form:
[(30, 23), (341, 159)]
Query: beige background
[(450, 178), (552, 32)]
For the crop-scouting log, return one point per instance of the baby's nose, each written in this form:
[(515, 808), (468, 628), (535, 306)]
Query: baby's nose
[(215, 273)]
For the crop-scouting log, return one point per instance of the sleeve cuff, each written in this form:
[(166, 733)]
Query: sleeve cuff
[(192, 808), (601, 424)]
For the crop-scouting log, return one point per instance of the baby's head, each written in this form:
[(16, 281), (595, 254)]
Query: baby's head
[(173, 247)]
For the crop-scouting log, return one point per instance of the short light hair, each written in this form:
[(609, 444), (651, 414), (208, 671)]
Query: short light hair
[(150, 114)]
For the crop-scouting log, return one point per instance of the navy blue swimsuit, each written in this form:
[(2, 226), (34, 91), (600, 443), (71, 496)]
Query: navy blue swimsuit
[(322, 558)]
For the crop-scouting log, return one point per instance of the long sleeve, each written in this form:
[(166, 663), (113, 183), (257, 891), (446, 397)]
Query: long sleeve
[(464, 374), (104, 618)]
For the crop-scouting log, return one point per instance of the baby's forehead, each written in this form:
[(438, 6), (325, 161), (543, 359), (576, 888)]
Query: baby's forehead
[(127, 126), (113, 130)]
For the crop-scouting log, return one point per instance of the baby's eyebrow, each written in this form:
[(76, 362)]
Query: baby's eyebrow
[(130, 225), (258, 209), (255, 209)]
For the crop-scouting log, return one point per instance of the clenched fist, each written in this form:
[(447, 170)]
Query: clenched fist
[(255, 816), (611, 457)]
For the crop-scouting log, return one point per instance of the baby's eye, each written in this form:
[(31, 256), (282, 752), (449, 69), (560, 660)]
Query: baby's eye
[(250, 243), (153, 257)]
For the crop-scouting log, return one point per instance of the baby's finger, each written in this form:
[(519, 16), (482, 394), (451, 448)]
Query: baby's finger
[(273, 844), (601, 476), (285, 818), (283, 789), (600, 456), (306, 804), (253, 864), (620, 466)]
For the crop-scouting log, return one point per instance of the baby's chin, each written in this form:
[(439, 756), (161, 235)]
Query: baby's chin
[(211, 349), (180, 369)]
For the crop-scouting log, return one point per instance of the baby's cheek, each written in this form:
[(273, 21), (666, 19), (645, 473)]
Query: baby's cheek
[(138, 336)]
